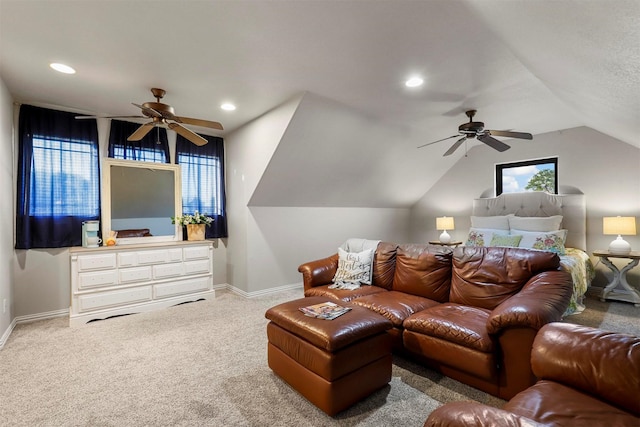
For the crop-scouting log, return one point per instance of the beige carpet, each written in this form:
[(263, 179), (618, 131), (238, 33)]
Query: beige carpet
[(202, 364)]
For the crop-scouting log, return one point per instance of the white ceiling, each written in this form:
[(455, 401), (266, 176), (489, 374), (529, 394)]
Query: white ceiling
[(534, 66)]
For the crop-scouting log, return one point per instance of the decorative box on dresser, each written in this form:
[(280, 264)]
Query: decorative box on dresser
[(117, 280)]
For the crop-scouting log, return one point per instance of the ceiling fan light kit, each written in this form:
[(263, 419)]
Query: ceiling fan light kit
[(476, 130), (164, 115)]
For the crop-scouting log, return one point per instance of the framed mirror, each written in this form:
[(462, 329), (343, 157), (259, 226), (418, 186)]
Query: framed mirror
[(139, 196)]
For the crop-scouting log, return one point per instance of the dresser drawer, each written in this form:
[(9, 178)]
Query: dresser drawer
[(197, 267), (153, 257), (114, 298), (163, 271), (127, 259), (135, 274), (165, 290), (96, 262), (94, 279), (196, 252)]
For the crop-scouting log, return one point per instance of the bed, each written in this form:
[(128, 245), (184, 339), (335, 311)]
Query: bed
[(571, 208)]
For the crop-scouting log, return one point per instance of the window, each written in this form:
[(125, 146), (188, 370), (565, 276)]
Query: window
[(153, 147), (527, 175), (203, 181), (63, 178), (58, 178)]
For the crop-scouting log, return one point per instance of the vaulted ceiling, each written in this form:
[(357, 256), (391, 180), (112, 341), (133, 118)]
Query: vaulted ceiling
[(534, 66)]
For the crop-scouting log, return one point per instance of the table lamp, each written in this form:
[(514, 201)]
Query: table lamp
[(444, 223), (620, 225)]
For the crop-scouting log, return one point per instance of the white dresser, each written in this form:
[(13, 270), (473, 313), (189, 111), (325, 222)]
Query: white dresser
[(116, 280)]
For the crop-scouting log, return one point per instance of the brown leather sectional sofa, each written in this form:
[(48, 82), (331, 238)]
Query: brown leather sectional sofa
[(588, 377), (471, 313)]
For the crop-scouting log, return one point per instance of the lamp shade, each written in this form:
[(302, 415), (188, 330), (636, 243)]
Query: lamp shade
[(619, 225), (444, 223)]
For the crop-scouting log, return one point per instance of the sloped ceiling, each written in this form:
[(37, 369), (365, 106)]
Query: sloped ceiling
[(535, 66)]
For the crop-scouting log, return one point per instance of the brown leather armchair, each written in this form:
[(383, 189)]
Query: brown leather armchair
[(586, 377)]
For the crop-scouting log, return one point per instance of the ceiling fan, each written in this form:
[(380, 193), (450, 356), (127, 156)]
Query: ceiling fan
[(164, 115), (477, 130)]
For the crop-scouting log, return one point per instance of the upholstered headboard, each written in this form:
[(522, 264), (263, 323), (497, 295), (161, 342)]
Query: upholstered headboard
[(536, 203)]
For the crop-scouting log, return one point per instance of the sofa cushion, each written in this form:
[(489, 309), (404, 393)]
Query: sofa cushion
[(423, 270), (342, 294), (384, 265), (466, 326), (552, 403), (395, 306), (485, 277)]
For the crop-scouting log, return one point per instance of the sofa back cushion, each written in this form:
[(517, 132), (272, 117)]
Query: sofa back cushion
[(384, 265), (423, 270), (600, 363), (486, 276)]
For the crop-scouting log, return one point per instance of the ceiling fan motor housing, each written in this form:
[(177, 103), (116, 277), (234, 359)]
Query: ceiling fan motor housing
[(471, 129)]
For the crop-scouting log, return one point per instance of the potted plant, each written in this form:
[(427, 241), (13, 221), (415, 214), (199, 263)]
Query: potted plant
[(195, 224)]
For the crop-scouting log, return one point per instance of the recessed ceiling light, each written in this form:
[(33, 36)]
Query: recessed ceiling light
[(414, 82), (62, 68), (228, 107)]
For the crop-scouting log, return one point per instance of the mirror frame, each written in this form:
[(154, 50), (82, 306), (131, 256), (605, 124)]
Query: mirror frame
[(106, 199)]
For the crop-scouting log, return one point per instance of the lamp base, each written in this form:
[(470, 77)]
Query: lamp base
[(619, 246), (444, 237)]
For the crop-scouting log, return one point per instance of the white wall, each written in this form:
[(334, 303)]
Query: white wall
[(6, 211), (282, 238), (248, 151), (269, 241), (605, 169)]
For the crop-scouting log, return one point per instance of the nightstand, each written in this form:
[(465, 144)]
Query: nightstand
[(625, 292), (438, 242)]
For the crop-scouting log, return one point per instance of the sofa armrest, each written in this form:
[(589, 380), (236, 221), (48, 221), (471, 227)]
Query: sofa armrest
[(319, 272), (543, 299), (600, 363), (457, 414)]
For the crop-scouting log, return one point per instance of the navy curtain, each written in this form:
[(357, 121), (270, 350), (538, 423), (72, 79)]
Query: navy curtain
[(58, 182), (154, 147), (203, 187)]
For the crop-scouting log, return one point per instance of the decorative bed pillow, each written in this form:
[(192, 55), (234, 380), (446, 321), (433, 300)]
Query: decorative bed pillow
[(354, 267), (551, 241), (511, 241), (535, 223), (483, 236), (498, 222)]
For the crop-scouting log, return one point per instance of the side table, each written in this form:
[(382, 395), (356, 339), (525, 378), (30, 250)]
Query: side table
[(625, 292), (438, 242)]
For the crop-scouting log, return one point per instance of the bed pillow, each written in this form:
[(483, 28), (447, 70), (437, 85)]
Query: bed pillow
[(354, 267), (550, 241), (483, 236), (510, 241), (498, 222), (535, 223)]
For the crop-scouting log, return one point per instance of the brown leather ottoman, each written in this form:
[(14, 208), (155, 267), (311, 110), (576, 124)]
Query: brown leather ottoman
[(333, 363)]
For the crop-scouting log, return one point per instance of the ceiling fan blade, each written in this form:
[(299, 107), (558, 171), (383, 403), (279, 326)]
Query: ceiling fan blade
[(191, 136), (150, 111), (493, 143), (199, 122), (455, 146), (521, 135), (141, 132), (440, 140), (110, 117)]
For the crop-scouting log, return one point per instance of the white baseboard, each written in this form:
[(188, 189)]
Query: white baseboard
[(7, 333), (263, 292), (42, 316)]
